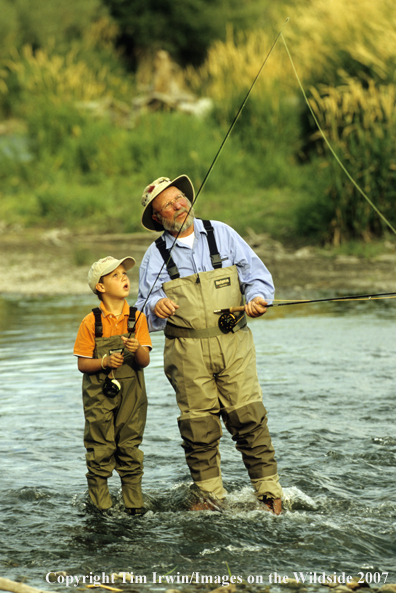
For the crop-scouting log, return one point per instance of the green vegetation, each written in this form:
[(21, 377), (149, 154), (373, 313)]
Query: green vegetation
[(74, 153), (184, 28)]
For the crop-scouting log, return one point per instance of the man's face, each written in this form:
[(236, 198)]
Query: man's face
[(171, 209)]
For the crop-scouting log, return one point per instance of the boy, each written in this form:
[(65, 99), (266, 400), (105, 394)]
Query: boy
[(112, 353)]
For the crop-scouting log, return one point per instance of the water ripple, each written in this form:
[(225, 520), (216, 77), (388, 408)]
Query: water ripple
[(328, 383)]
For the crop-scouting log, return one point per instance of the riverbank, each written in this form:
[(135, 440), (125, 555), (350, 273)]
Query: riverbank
[(55, 262)]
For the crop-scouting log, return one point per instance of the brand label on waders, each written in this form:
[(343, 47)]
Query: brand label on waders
[(222, 282)]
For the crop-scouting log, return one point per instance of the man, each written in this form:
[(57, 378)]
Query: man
[(213, 373)]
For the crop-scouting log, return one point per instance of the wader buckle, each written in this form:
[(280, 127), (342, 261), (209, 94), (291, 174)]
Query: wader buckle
[(216, 261)]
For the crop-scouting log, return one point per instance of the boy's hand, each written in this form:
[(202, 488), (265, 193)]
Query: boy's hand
[(113, 361), (131, 344)]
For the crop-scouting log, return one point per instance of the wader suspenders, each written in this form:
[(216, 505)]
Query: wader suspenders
[(214, 252), (98, 321), (132, 319), (170, 264), (166, 256)]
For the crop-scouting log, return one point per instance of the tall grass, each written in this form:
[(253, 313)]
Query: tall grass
[(231, 66), (334, 37), (361, 125)]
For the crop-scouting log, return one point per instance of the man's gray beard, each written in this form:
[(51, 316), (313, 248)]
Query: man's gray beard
[(174, 226)]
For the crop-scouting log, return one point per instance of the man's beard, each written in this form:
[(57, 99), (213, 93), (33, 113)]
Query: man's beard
[(175, 226)]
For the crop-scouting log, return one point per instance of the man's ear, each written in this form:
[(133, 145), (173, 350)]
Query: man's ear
[(155, 217), (100, 287)]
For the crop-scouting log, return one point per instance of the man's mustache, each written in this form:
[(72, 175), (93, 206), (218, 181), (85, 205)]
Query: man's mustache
[(178, 212)]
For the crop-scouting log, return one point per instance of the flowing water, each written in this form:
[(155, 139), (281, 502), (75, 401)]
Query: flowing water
[(328, 376)]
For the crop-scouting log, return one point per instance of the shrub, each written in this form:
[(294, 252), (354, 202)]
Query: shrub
[(361, 126)]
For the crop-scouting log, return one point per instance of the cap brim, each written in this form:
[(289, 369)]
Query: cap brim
[(128, 262)]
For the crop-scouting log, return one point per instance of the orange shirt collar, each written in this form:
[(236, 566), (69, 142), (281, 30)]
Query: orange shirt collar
[(125, 309)]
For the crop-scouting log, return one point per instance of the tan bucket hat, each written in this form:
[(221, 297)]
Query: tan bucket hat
[(105, 266), (182, 182)]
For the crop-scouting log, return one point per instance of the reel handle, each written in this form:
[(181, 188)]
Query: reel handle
[(236, 309)]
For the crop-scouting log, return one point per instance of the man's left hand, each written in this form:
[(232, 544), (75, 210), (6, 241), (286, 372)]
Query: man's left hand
[(256, 307)]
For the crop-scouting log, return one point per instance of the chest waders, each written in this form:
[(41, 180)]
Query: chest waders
[(214, 374), (114, 426)]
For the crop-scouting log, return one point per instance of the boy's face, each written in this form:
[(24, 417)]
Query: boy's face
[(116, 284)]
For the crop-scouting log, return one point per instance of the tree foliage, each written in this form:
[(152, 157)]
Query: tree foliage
[(185, 28), (35, 22)]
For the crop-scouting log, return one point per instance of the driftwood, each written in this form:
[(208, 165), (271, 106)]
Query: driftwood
[(14, 587)]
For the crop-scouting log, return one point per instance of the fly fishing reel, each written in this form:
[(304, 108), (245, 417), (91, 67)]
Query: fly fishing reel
[(227, 322), (111, 387)]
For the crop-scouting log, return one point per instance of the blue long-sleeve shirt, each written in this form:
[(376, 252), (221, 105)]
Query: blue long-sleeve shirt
[(254, 277)]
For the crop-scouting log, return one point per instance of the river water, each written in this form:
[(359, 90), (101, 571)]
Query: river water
[(328, 376)]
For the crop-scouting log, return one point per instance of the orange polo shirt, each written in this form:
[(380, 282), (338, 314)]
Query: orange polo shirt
[(112, 326)]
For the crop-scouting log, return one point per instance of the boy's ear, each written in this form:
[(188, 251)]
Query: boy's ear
[(100, 287)]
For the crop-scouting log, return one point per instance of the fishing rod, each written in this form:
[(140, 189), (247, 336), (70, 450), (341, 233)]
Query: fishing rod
[(112, 386), (215, 160), (228, 320), (240, 110)]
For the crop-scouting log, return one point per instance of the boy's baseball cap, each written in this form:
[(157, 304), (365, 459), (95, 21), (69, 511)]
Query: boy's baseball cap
[(183, 183), (105, 266)]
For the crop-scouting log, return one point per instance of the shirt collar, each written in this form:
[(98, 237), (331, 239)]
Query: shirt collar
[(105, 312)]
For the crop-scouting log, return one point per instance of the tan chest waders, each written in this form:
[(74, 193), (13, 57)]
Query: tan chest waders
[(214, 374), (114, 425)]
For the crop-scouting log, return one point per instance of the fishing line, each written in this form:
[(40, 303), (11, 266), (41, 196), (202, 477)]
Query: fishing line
[(215, 160), (329, 145)]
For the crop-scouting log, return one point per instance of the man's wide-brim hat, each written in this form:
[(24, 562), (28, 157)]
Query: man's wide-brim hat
[(183, 183)]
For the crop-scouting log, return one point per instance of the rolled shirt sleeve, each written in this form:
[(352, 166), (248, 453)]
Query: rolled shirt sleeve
[(254, 277)]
